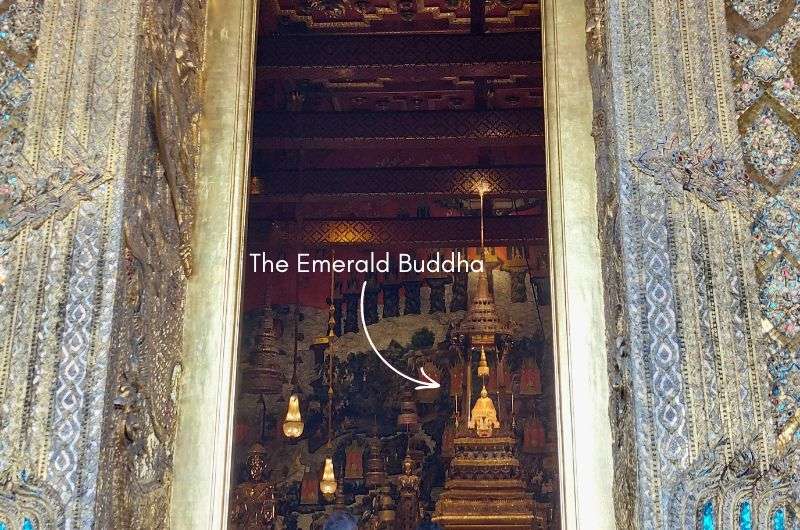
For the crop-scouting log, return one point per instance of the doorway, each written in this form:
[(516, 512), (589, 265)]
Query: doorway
[(390, 140), (216, 371)]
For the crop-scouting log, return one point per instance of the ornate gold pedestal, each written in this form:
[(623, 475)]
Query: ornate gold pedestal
[(484, 488)]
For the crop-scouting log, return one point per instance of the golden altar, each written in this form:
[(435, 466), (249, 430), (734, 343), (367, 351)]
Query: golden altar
[(484, 487)]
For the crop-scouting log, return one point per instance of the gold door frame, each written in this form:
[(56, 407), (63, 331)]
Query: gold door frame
[(202, 466)]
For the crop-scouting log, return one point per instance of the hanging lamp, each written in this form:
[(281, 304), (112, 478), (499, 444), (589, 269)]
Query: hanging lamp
[(293, 423), (328, 483)]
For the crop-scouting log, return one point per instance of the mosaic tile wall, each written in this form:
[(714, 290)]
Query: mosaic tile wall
[(19, 31), (691, 394), (765, 60)]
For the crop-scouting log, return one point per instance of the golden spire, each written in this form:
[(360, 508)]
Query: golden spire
[(483, 366), (482, 322), (484, 416)]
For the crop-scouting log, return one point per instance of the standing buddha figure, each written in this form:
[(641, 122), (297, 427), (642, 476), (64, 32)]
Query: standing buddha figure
[(408, 488)]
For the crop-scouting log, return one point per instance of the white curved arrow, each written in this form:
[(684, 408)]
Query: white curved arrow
[(430, 383)]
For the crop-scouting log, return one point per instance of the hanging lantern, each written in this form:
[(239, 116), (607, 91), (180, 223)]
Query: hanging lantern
[(293, 424), (328, 483)]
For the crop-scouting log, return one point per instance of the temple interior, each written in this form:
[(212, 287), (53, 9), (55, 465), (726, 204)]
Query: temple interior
[(414, 130)]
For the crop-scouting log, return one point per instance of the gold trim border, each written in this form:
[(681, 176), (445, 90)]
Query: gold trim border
[(203, 446), (582, 384), (202, 460)]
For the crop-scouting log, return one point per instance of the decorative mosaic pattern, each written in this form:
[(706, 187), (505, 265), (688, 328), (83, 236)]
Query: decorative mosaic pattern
[(765, 61), (785, 372), (60, 238), (755, 11), (691, 365), (777, 227), (771, 146), (780, 297), (767, 98), (19, 29)]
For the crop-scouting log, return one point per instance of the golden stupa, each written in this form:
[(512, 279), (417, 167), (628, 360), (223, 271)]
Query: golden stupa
[(482, 323), (484, 488)]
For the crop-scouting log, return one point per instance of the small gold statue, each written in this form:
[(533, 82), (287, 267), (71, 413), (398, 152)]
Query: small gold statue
[(253, 506), (484, 416), (408, 487)]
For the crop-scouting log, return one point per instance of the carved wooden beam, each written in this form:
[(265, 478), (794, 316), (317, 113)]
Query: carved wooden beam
[(352, 130), (283, 186), (440, 232), (382, 17), (477, 16), (432, 156), (407, 50), (401, 72)]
